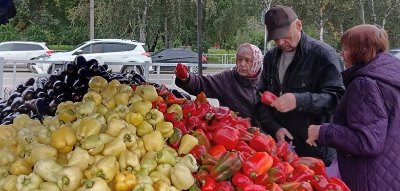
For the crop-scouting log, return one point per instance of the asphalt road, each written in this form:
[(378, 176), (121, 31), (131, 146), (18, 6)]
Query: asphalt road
[(11, 80)]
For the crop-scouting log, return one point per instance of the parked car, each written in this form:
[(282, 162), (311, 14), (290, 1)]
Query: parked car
[(176, 55), (22, 50), (119, 54), (395, 52)]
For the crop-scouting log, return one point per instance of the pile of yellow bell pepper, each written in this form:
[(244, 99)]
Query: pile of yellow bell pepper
[(114, 140)]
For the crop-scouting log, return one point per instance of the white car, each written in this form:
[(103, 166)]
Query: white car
[(119, 54), (395, 52), (22, 50)]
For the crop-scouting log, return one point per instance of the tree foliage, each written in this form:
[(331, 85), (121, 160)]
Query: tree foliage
[(172, 23)]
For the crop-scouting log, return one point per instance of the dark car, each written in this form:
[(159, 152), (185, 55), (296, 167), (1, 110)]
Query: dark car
[(176, 55)]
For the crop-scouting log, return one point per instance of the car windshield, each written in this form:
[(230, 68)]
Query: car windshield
[(79, 45)]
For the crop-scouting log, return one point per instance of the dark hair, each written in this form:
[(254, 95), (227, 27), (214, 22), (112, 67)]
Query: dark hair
[(365, 42)]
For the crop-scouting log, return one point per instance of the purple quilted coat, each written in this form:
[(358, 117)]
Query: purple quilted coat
[(366, 129)]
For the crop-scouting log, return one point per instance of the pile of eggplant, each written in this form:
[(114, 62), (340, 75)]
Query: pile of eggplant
[(40, 97)]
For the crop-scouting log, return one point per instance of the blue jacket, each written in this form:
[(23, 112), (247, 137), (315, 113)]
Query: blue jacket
[(366, 126)]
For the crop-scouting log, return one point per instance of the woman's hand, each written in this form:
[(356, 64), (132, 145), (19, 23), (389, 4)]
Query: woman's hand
[(181, 72), (313, 133)]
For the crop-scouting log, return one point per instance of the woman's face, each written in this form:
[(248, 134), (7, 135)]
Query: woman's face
[(345, 54), (244, 61)]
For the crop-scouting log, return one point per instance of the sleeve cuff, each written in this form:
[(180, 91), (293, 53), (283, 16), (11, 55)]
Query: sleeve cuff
[(322, 134), (301, 101)]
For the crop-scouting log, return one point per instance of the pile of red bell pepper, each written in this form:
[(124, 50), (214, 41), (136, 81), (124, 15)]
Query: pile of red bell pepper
[(235, 156)]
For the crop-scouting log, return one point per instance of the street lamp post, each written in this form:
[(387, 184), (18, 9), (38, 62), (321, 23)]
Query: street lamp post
[(91, 18)]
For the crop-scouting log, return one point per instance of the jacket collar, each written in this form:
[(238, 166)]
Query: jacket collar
[(247, 81)]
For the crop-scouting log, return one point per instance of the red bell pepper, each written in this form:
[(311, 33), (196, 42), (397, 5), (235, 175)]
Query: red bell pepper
[(221, 112), (288, 169), (209, 185), (201, 176), (208, 159), (181, 71), (202, 110), (274, 187), (198, 151), (268, 97), (175, 139), (243, 123), (189, 109), (224, 186), (244, 147), (290, 186), (159, 105), (226, 136), (201, 98), (339, 182), (262, 180), (217, 151), (171, 117), (201, 137), (240, 180), (181, 126), (305, 186), (254, 187), (262, 142), (191, 122), (332, 187), (319, 182), (202, 125), (290, 157), (172, 99), (226, 166), (317, 165), (257, 164), (281, 149), (162, 90), (301, 173), (276, 174), (206, 167)]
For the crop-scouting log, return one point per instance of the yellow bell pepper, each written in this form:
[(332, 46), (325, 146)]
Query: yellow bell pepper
[(99, 117), (161, 185), (102, 109), (114, 147), (143, 180), (156, 176), (124, 181), (106, 168), (165, 169), (165, 156), (87, 127), (122, 98), (128, 161), (95, 184), (143, 187), (84, 109), (44, 135), (181, 177), (135, 98), (188, 142), (63, 139), (62, 159), (109, 91), (7, 156), (47, 169), (92, 96), (106, 138), (21, 121), (153, 141), (42, 151), (154, 116), (111, 115), (21, 166), (9, 183), (147, 92), (69, 178), (115, 126), (26, 137), (171, 150), (134, 118), (93, 144), (109, 102), (51, 122), (125, 88), (97, 83), (177, 109), (28, 182), (166, 128), (49, 186), (190, 162), (128, 135), (66, 111), (80, 158), (148, 162), (8, 133), (121, 110), (138, 148), (144, 128), (141, 107)]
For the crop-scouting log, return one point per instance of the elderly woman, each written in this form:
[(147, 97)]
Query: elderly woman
[(236, 88), (366, 125)]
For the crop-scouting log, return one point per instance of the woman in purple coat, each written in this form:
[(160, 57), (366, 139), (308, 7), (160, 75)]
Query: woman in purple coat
[(366, 125), (236, 88)]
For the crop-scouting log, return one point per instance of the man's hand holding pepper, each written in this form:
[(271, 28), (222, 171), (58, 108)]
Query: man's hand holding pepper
[(285, 103), (181, 72)]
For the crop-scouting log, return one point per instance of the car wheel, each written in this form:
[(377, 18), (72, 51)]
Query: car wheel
[(137, 69)]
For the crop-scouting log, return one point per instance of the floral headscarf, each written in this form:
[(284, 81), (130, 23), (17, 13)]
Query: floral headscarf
[(257, 58)]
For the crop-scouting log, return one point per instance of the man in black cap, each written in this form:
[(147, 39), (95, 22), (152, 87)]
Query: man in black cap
[(305, 75)]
